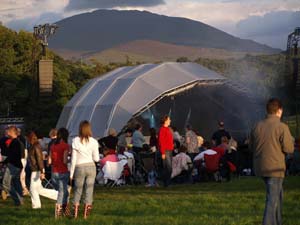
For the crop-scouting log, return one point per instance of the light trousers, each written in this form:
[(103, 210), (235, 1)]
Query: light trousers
[(36, 189), (23, 174), (84, 180)]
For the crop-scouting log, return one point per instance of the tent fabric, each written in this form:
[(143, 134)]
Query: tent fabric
[(110, 101)]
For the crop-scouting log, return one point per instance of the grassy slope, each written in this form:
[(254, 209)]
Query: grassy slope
[(238, 202), (150, 51)]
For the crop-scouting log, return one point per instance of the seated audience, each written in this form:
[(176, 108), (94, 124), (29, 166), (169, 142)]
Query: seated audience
[(206, 150), (181, 162), (108, 157), (122, 140), (110, 142)]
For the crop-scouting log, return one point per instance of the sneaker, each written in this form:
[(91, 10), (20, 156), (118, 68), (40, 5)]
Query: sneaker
[(3, 195)]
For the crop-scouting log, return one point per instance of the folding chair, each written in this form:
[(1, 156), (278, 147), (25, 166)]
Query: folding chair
[(212, 165), (147, 164), (47, 183), (113, 171)]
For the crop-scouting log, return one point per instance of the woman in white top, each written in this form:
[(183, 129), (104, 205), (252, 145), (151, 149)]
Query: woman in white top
[(83, 170)]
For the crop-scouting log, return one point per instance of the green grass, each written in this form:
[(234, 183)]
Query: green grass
[(239, 202)]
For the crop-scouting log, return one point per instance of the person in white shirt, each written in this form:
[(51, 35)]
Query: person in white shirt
[(200, 156), (83, 169), (206, 151), (181, 162)]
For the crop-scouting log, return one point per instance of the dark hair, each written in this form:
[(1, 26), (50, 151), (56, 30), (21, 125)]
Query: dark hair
[(164, 119), (128, 130), (206, 145), (174, 129), (182, 148), (138, 126), (62, 134), (189, 127), (32, 138), (273, 105), (152, 132), (85, 131)]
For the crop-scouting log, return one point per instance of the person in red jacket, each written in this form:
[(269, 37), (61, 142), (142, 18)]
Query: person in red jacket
[(166, 146)]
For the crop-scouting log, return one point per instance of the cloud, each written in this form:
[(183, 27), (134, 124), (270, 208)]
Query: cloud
[(272, 28), (29, 22), (29, 9), (271, 23), (220, 14), (95, 4)]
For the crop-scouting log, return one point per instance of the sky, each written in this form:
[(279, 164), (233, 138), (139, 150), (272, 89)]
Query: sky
[(265, 21)]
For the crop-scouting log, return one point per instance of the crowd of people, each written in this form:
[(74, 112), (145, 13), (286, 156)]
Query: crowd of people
[(81, 162)]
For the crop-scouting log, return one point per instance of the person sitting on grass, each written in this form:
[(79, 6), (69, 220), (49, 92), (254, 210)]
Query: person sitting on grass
[(181, 163), (110, 142), (108, 157), (206, 150), (122, 139), (224, 143), (199, 162)]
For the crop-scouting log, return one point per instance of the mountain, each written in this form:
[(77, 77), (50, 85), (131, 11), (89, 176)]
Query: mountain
[(105, 29), (152, 51)]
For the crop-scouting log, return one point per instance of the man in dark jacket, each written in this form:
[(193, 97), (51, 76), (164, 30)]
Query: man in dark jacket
[(221, 132), (270, 141)]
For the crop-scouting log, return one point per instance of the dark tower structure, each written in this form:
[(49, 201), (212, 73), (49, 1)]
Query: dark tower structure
[(293, 62), (45, 70), (293, 76)]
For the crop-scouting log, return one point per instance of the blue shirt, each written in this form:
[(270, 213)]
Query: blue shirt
[(138, 139)]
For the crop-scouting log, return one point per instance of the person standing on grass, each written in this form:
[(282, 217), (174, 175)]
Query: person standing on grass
[(36, 162), (11, 179), (221, 132), (60, 174), (83, 169), (270, 141), (138, 139), (53, 136), (166, 146), (24, 162)]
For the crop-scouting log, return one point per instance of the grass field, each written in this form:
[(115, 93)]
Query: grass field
[(239, 202)]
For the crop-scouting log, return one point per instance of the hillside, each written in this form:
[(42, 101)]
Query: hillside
[(105, 29), (153, 51)]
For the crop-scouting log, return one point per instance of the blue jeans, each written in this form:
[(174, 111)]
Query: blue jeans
[(167, 167), (12, 183), (84, 179), (60, 183), (274, 195)]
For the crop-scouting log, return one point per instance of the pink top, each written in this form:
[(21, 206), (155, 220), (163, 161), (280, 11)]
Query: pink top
[(109, 158)]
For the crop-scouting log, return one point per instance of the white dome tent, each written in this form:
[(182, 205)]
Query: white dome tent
[(114, 98)]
